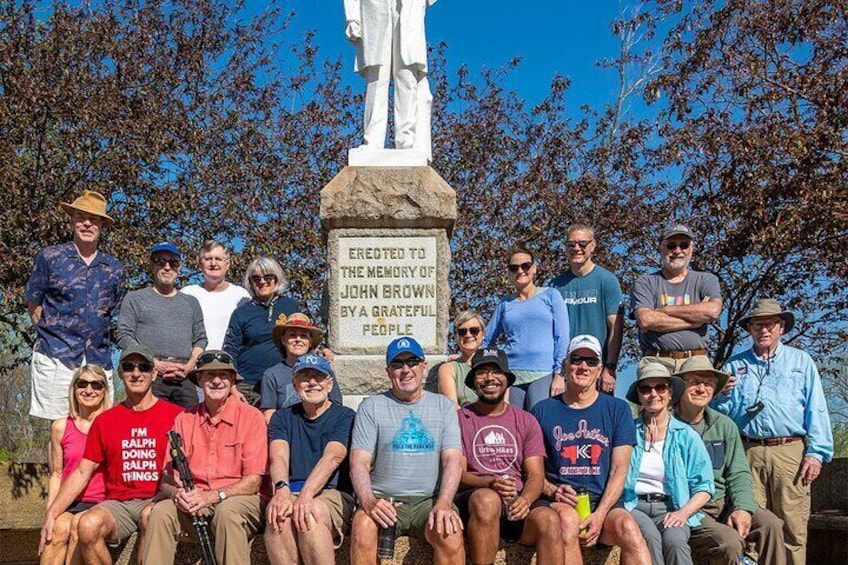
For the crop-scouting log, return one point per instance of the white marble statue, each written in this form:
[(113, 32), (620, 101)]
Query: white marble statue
[(390, 44)]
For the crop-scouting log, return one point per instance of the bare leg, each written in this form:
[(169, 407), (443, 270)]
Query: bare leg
[(543, 529), (484, 508), (55, 552), (569, 522), (316, 545), (447, 549), (363, 540), (622, 530), (95, 527)]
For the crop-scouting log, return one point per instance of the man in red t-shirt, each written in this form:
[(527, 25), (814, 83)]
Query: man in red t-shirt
[(503, 469), (128, 443)]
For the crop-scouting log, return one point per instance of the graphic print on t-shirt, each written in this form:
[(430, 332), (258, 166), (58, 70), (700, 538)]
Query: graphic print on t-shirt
[(580, 296), (413, 437), (671, 300), (580, 450), (139, 461), (495, 449)]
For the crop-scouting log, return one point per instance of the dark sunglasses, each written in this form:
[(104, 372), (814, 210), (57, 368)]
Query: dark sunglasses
[(412, 362), (462, 332), (525, 266), (590, 361), (683, 245), (161, 262), (205, 358), (129, 366), (266, 277), (80, 384), (660, 388), (581, 244)]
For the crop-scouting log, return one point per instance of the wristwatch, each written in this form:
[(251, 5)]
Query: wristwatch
[(611, 366), (280, 484), (222, 496)]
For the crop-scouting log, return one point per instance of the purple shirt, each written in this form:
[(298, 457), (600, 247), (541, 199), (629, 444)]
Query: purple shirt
[(497, 445), (78, 302)]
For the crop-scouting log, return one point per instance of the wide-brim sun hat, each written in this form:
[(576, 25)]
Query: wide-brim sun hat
[(91, 203), (653, 370), (214, 360), (700, 364), (296, 320), (768, 307)]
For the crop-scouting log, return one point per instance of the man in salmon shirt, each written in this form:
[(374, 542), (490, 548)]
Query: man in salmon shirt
[(226, 447), (128, 443)]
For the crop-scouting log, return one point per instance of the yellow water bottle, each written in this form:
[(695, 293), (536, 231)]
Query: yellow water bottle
[(584, 506)]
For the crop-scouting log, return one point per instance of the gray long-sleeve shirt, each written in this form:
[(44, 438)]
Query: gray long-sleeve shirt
[(171, 326)]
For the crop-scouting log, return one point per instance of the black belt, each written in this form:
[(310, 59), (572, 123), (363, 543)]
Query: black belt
[(772, 441), (653, 497)]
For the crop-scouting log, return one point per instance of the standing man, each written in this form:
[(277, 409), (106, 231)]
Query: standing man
[(589, 438), (217, 296), (674, 306), (593, 298), (732, 518), (72, 295), (503, 469), (406, 446), (169, 323), (128, 443), (775, 397), (311, 508), (226, 449)]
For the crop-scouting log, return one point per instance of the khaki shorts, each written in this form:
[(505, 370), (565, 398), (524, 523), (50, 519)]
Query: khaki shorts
[(340, 504), (127, 514), (413, 513)]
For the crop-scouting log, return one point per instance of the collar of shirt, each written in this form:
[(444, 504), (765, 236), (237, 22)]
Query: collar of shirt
[(227, 416)]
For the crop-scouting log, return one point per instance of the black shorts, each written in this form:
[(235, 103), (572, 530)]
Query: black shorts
[(511, 530), (80, 506)]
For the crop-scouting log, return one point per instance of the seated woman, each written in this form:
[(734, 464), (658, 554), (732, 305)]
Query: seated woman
[(295, 336), (469, 337), (670, 476), (88, 397)]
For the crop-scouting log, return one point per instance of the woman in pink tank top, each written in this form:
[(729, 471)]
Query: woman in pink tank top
[(87, 397)]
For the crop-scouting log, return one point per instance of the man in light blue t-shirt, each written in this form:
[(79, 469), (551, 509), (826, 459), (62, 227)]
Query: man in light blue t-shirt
[(593, 299), (406, 445)]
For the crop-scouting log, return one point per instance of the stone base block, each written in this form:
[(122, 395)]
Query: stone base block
[(364, 375)]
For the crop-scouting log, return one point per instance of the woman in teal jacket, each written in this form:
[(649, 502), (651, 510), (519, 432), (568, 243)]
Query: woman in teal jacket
[(670, 476)]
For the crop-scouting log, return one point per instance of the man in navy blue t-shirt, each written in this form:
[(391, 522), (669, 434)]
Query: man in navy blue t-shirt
[(311, 508), (588, 439)]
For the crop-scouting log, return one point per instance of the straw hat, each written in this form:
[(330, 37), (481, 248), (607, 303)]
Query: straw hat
[(91, 203), (296, 320)]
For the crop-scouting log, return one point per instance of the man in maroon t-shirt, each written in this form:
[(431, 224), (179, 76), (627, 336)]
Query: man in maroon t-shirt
[(129, 444), (503, 469)]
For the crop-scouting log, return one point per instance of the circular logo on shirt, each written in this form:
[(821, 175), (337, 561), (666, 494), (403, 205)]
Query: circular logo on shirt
[(495, 449)]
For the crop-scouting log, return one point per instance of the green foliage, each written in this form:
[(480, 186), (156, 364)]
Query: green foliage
[(840, 440)]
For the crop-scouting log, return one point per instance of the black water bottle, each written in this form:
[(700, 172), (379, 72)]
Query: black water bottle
[(386, 540)]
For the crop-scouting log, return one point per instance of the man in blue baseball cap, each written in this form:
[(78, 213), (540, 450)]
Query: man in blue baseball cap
[(406, 446)]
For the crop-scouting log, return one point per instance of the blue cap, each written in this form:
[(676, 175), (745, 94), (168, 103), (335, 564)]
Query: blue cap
[(312, 361), (403, 345), (165, 246)]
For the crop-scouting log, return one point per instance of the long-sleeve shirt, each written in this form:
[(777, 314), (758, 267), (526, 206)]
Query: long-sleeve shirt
[(536, 331), (789, 386)]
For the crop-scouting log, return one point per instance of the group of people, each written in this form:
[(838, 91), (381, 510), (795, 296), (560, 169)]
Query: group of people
[(524, 443)]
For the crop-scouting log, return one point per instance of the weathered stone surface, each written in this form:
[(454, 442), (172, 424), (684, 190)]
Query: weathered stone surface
[(388, 197), (366, 374)]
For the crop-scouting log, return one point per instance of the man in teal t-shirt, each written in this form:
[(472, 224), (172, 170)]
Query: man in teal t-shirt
[(592, 297)]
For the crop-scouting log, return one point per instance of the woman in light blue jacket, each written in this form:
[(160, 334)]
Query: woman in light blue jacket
[(670, 476)]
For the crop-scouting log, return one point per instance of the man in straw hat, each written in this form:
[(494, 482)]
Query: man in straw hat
[(72, 295), (226, 448), (732, 518), (775, 397)]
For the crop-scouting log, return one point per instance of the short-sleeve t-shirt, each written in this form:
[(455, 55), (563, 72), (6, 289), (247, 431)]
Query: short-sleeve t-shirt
[(405, 440), (589, 300), (579, 441), (494, 446), (217, 308), (277, 391), (307, 440), (654, 291), (130, 447)]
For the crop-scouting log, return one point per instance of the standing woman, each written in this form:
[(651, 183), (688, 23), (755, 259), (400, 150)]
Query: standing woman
[(469, 336), (248, 339), (534, 323), (670, 476), (88, 396)]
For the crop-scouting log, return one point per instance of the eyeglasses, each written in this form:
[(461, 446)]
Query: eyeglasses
[(682, 245), (213, 259), (129, 366), (768, 325), (205, 358), (660, 388), (81, 384), (412, 362), (255, 279), (708, 382), (581, 244), (162, 261), (525, 266), (489, 373), (462, 332), (590, 361)]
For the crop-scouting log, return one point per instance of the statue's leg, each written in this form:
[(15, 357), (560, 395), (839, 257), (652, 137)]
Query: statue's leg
[(376, 105), (423, 140), (406, 106)]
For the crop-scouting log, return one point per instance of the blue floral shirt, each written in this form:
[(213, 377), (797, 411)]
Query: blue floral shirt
[(78, 303)]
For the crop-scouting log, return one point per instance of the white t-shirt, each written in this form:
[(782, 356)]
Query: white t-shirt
[(217, 308), (652, 471)]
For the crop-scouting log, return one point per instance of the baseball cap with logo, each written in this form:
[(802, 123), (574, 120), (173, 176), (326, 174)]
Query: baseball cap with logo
[(676, 229), (314, 362), (585, 341), (490, 356), (165, 247), (403, 345)]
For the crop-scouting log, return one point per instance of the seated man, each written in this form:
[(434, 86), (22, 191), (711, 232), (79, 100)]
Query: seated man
[(128, 443), (732, 517), (589, 437), (309, 514), (503, 469), (406, 445), (226, 448)]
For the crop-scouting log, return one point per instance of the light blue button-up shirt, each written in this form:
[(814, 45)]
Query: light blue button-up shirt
[(789, 386)]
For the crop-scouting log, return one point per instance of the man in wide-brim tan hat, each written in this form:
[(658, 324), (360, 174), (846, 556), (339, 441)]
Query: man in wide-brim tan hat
[(72, 294), (732, 519), (775, 398)]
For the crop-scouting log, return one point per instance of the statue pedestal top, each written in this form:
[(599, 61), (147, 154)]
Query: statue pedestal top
[(362, 157)]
